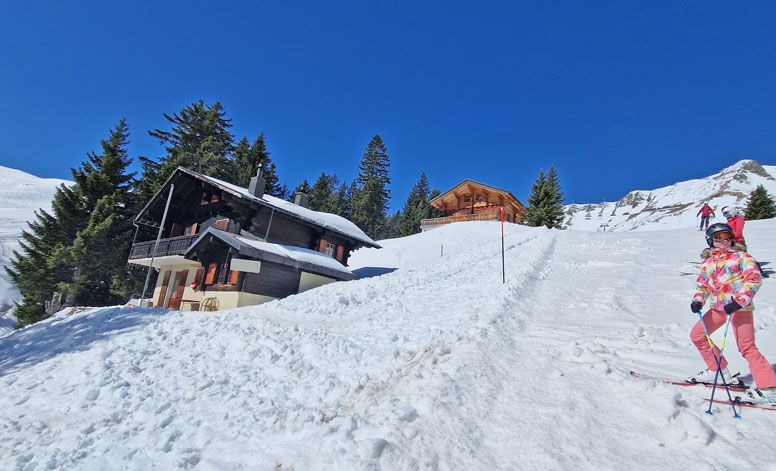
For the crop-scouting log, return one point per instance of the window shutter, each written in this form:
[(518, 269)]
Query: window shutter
[(233, 277), (340, 252), (210, 277), (222, 224), (198, 278), (163, 291)]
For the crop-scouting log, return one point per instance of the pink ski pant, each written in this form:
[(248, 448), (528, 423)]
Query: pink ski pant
[(742, 324)]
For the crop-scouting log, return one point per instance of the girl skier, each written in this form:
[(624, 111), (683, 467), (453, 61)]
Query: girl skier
[(730, 276)]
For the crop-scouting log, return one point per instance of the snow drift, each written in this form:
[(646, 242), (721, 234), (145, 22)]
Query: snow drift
[(433, 365)]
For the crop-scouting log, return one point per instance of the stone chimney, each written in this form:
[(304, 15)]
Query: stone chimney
[(302, 200), (258, 184)]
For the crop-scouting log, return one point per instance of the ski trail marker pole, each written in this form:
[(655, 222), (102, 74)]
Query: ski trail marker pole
[(718, 360), (503, 268)]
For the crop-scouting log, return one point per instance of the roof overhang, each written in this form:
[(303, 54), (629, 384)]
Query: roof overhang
[(467, 187), (229, 239), (159, 199)]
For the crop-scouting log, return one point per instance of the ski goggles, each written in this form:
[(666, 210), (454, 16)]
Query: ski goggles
[(722, 236)]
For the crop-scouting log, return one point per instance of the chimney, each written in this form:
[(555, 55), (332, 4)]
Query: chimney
[(302, 200), (258, 184)]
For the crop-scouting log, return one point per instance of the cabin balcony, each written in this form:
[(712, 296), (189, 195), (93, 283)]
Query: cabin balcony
[(170, 248), (432, 223)]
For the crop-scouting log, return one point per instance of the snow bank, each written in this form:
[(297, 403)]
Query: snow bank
[(436, 364)]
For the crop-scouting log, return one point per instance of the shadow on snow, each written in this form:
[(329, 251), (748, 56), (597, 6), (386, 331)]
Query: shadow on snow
[(46, 340)]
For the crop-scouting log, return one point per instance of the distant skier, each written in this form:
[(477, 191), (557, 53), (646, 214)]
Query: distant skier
[(736, 221), (705, 213), (730, 276)]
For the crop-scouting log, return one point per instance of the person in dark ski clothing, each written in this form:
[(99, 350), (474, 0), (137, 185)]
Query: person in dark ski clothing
[(705, 213), (730, 277)]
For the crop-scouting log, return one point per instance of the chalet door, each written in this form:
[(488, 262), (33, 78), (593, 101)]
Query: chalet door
[(163, 291), (180, 286)]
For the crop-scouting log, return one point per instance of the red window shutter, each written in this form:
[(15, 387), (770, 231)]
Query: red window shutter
[(222, 224), (340, 252), (163, 291), (322, 246), (198, 279), (233, 277), (210, 277), (194, 228)]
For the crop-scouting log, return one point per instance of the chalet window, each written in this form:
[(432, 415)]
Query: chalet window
[(208, 197), (330, 249), (480, 197), (467, 198), (176, 230)]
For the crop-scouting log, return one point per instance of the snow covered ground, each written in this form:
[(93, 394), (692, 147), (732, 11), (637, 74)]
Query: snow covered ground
[(433, 365), (21, 194), (676, 205)]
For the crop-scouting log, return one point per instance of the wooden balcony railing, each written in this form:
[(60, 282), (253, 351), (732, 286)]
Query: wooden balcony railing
[(481, 216), (171, 246)]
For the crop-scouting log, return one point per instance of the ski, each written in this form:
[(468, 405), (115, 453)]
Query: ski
[(743, 403), (739, 386)]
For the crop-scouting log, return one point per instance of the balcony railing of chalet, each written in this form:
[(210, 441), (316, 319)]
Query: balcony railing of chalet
[(171, 246), (481, 216)]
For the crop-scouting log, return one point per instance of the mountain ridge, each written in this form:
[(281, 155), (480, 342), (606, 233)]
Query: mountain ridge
[(674, 206)]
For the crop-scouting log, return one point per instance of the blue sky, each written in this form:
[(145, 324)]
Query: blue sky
[(617, 95)]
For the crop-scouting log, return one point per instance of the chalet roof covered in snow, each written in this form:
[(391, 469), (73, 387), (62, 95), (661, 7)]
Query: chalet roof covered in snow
[(304, 259), (332, 222)]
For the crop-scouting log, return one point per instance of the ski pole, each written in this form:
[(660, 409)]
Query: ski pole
[(718, 360)]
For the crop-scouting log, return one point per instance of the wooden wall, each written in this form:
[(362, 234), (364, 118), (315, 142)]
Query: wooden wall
[(274, 280)]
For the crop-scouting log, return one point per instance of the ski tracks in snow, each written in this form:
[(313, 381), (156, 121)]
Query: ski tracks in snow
[(590, 329)]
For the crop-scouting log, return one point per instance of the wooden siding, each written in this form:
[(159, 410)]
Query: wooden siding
[(274, 280)]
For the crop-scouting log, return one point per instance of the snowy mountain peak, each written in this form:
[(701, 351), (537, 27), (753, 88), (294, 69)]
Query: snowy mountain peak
[(676, 205)]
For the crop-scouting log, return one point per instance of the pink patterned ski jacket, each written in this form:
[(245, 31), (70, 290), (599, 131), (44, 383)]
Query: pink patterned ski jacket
[(728, 275)]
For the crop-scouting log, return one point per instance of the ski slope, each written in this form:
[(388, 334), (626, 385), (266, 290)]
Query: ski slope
[(435, 364)]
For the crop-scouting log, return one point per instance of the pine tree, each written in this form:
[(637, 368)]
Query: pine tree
[(369, 204), (435, 213), (247, 159), (49, 261), (760, 205), (347, 193), (303, 187), (29, 269), (325, 194), (199, 140), (545, 203), (416, 208), (391, 226), (100, 250)]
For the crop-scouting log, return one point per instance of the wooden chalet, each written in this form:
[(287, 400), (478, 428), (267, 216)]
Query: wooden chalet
[(474, 201), (224, 246)]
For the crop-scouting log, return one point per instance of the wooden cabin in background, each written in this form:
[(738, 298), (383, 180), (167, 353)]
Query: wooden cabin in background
[(474, 201), (224, 246)]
